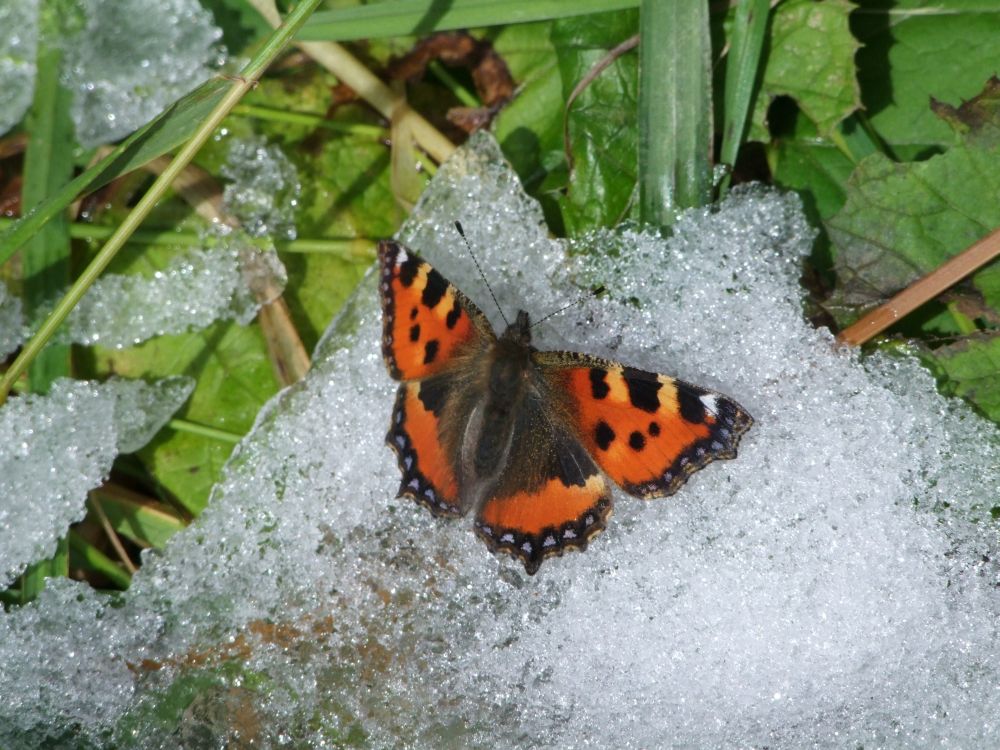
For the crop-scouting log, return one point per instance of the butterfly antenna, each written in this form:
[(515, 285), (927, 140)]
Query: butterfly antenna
[(458, 226), (597, 292)]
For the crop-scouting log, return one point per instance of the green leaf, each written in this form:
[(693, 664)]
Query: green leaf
[(811, 60), (346, 193), (977, 120), (914, 50), (529, 128), (602, 120), (85, 555), (404, 17), (971, 369), (164, 133), (814, 167), (234, 379), (901, 221)]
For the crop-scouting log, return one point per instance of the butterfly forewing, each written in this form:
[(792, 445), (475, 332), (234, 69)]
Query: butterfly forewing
[(425, 320), (648, 432), (431, 335)]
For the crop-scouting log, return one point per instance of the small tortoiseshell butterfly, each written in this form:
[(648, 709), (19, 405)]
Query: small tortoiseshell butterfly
[(526, 438)]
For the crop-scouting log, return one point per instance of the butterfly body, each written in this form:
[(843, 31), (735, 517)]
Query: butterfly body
[(523, 438), (509, 383)]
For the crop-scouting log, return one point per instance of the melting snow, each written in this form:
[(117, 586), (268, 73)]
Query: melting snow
[(195, 289), (54, 448), (132, 59)]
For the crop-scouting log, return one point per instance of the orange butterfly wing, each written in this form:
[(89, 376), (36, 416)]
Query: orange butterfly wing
[(425, 320), (428, 327), (648, 432), (415, 436)]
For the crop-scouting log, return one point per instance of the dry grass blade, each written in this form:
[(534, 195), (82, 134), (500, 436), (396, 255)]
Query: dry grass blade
[(368, 86), (112, 537), (922, 291)]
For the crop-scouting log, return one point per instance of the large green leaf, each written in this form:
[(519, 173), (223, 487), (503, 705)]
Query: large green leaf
[(145, 523), (603, 128), (901, 221), (813, 166), (976, 120), (346, 193), (914, 50), (811, 60), (530, 128), (971, 369), (234, 379)]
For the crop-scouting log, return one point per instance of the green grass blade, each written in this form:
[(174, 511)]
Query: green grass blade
[(166, 132), (742, 69), (405, 17), (32, 582), (675, 109), (87, 556), (48, 163), (237, 88)]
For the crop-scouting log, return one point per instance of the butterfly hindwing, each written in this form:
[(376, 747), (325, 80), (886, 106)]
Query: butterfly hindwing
[(551, 497), (648, 432), (425, 319)]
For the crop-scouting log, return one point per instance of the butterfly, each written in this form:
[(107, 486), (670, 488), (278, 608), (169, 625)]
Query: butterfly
[(528, 439)]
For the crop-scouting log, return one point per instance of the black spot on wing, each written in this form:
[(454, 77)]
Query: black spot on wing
[(433, 393), (599, 382), (691, 407), (413, 313), (431, 351), (408, 270), (654, 429), (415, 333), (451, 319), (435, 289), (604, 435), (636, 441), (643, 389)]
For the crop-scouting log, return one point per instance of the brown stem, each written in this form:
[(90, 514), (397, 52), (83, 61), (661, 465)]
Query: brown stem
[(922, 290)]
